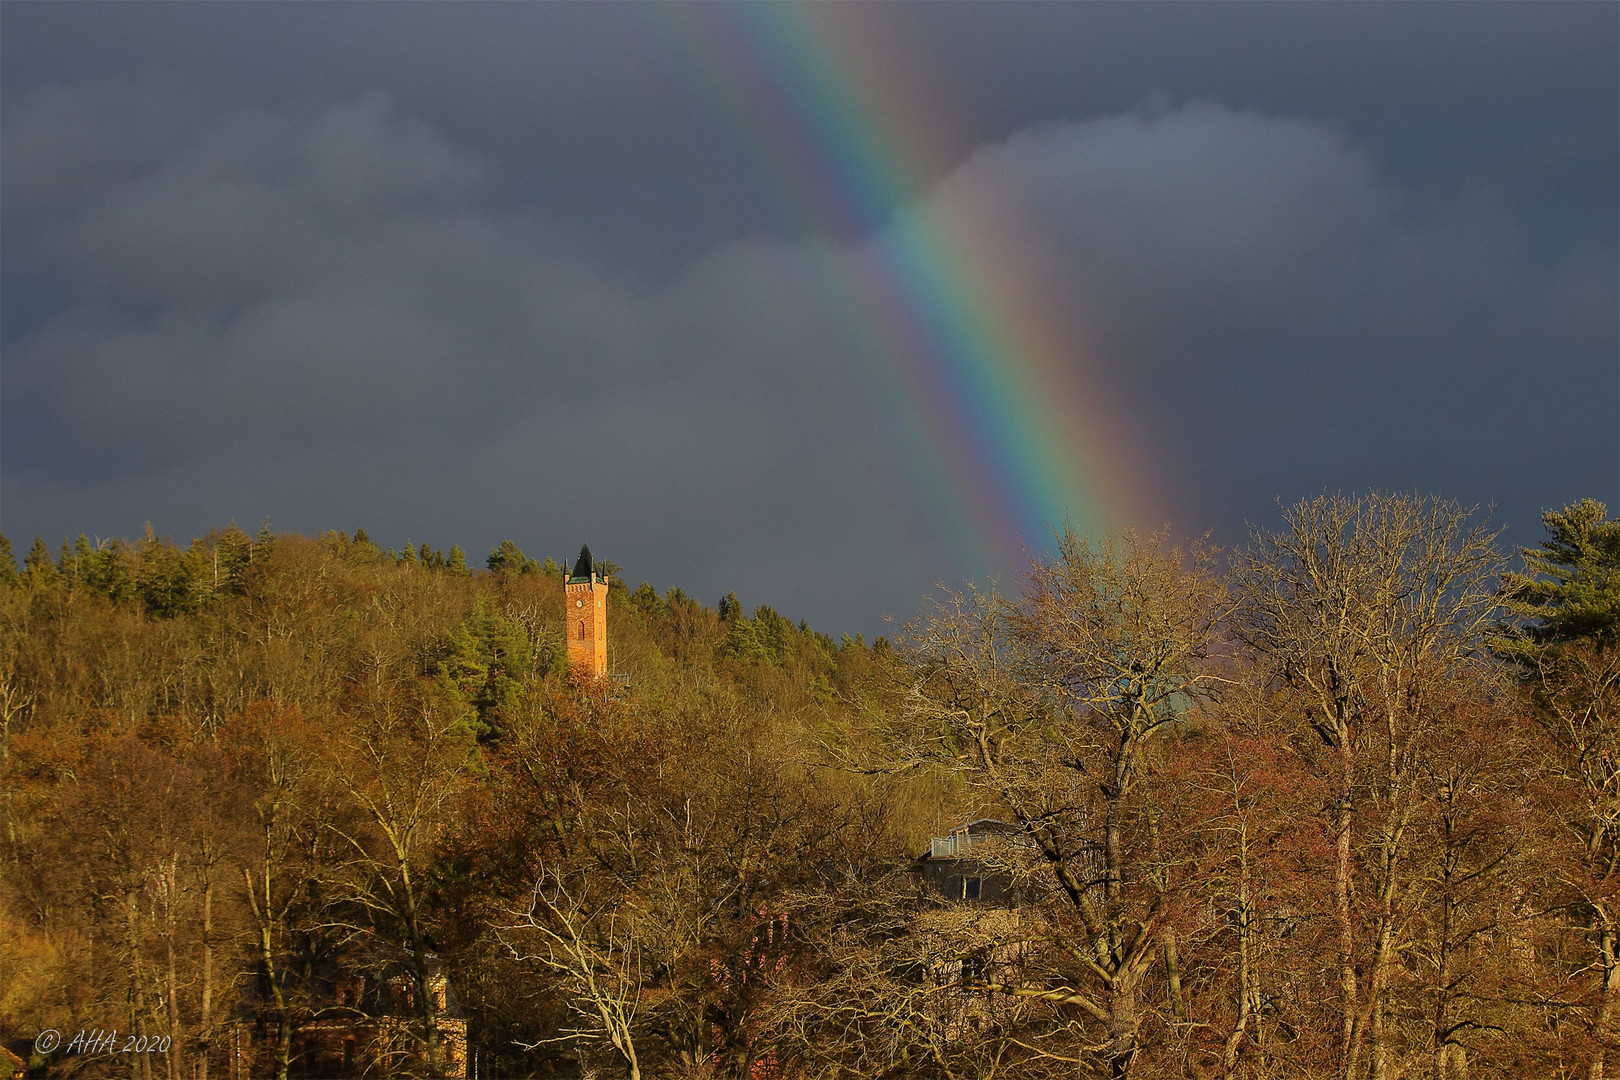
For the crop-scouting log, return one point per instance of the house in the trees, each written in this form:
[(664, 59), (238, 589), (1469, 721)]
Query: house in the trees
[(979, 944), (362, 1025), (957, 867)]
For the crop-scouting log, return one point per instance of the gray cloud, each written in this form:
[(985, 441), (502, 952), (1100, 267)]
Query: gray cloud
[(322, 316), (1275, 315)]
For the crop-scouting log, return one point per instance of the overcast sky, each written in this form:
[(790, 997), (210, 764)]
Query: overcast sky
[(461, 273)]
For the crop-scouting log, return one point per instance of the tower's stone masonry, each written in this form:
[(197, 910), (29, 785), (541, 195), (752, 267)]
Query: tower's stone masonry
[(585, 615)]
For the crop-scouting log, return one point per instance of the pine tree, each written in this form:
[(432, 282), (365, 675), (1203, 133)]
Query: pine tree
[(490, 658), (1570, 587), (361, 548), (38, 563), (232, 556), (8, 564), (165, 577), (457, 563), (508, 559), (106, 571), (263, 543), (84, 559), (645, 600)]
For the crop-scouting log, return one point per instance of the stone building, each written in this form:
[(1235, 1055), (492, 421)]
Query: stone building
[(585, 617), (364, 1025)]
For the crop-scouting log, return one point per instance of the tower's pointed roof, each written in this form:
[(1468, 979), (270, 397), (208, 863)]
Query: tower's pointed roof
[(583, 565)]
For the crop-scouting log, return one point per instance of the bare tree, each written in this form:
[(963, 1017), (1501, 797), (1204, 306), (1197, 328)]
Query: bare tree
[(1052, 709), (274, 753), (400, 765), (1366, 608), (1576, 696), (893, 983), (597, 954)]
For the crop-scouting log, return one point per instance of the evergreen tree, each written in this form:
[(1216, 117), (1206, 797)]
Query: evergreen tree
[(264, 542), (165, 578), (772, 633), (8, 564), (457, 563), (645, 600), (490, 657), (1570, 587), (408, 556), (38, 563), (232, 554), (105, 570), (743, 640), (361, 548), (508, 559), (729, 607)]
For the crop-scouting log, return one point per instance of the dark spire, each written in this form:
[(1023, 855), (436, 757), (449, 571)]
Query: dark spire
[(583, 565)]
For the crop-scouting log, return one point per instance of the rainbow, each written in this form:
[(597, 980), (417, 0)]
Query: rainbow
[(985, 368)]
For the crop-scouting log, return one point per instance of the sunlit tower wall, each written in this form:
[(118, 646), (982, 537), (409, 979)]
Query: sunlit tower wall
[(585, 615)]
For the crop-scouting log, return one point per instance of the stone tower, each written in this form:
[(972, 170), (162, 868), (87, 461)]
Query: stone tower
[(585, 616)]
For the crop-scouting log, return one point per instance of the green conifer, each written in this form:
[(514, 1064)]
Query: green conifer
[(1570, 587), (490, 657), (362, 550), (645, 600), (38, 563), (164, 577), (263, 543), (457, 562), (507, 559), (106, 571)]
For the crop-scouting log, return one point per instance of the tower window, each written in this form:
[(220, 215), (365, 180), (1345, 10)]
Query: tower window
[(582, 629)]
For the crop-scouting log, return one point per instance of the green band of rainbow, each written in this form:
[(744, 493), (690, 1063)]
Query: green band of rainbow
[(952, 294)]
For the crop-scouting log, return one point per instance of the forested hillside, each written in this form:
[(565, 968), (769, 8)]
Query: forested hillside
[(1342, 803)]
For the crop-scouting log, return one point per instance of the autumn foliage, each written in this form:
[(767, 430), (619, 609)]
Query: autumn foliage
[(1342, 803)]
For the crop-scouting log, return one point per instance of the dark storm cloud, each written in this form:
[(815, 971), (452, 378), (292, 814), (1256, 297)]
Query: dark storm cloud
[(539, 301), (1282, 316), (607, 115), (315, 313)]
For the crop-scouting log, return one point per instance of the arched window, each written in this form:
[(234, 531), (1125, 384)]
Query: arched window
[(582, 629)]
